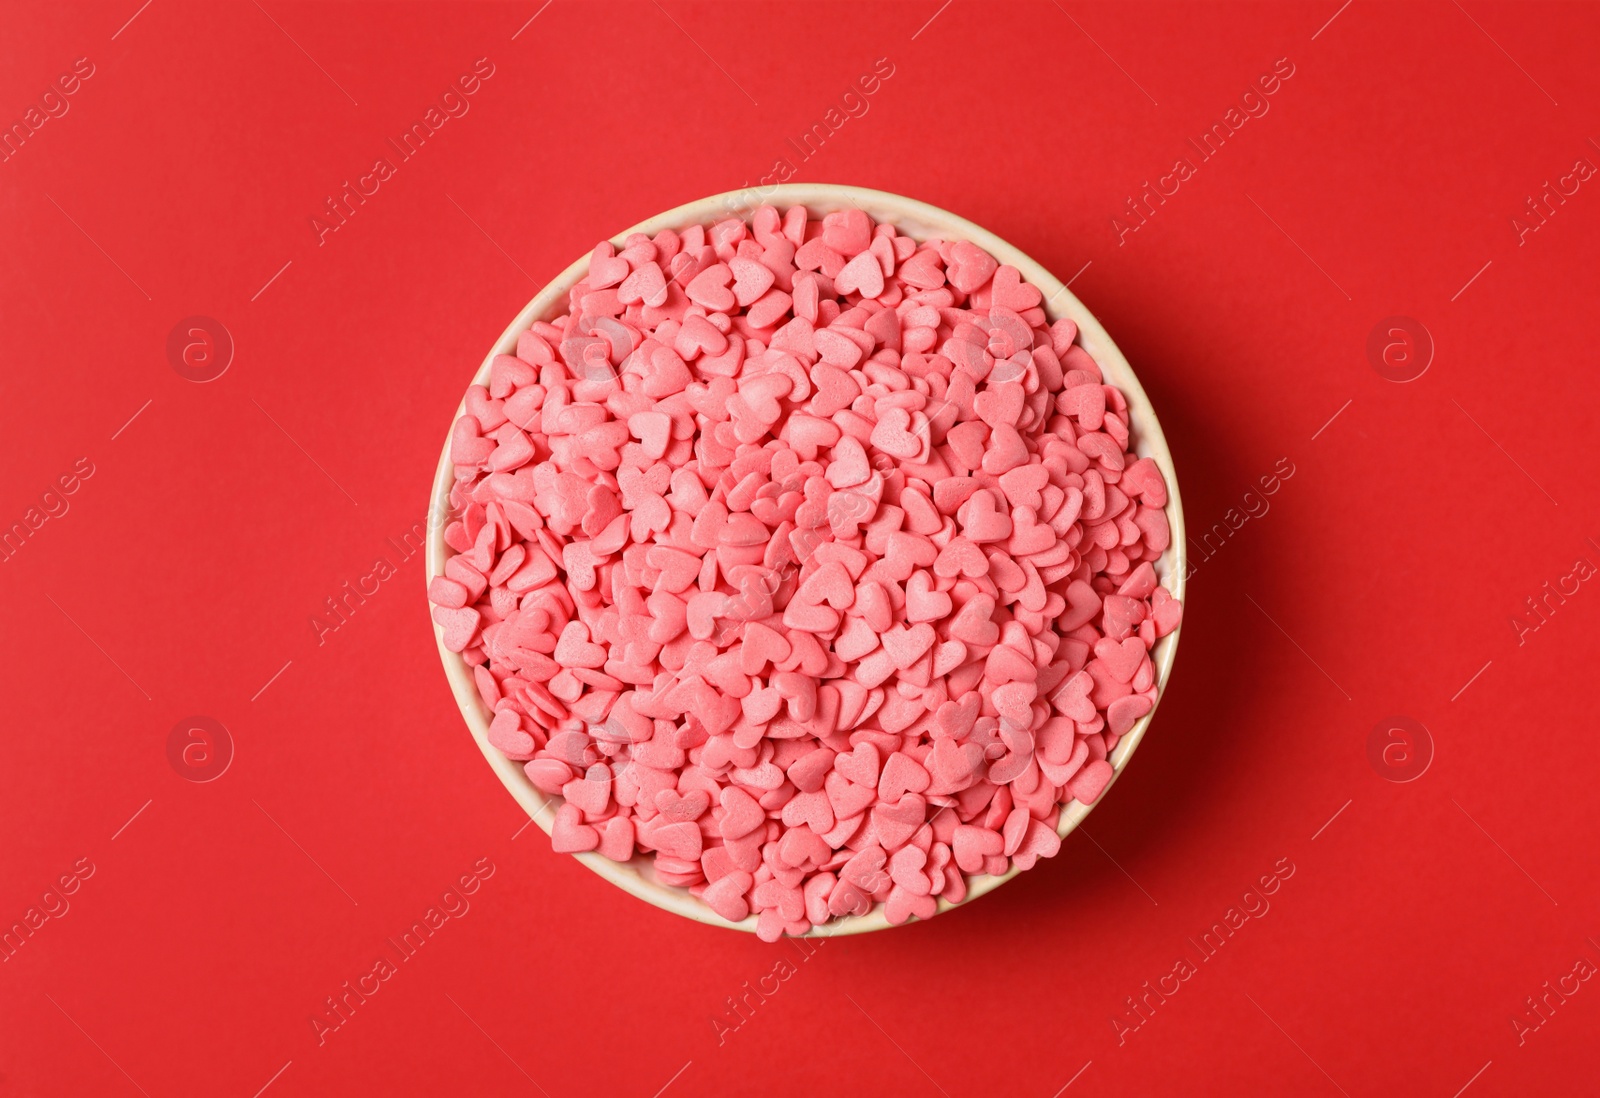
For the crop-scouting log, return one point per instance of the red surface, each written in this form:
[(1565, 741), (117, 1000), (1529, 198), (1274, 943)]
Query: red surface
[(1382, 581)]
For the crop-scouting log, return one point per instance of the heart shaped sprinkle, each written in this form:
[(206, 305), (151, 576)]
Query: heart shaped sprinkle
[(808, 562)]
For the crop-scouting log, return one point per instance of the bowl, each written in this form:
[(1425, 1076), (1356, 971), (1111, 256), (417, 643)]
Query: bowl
[(920, 221)]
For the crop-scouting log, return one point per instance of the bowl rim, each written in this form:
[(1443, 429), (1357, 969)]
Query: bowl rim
[(922, 221)]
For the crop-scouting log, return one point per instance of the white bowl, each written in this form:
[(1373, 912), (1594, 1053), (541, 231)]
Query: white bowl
[(920, 221)]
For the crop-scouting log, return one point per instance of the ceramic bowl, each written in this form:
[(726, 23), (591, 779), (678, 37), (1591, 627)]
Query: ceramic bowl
[(921, 222)]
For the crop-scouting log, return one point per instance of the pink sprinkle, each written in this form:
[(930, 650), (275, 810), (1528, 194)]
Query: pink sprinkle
[(807, 563)]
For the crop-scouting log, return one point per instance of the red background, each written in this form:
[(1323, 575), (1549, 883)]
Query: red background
[(1381, 582)]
